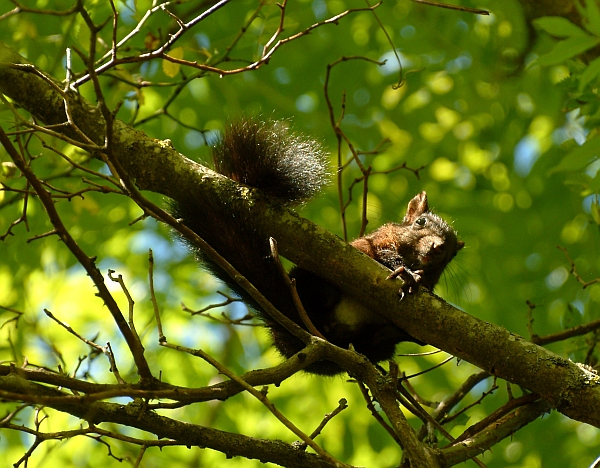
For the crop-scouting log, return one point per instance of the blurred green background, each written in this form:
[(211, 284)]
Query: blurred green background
[(476, 109)]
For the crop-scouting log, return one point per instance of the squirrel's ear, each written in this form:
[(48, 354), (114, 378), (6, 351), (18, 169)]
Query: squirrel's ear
[(416, 207)]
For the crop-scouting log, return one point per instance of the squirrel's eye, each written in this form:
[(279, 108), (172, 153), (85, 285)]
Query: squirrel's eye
[(421, 222)]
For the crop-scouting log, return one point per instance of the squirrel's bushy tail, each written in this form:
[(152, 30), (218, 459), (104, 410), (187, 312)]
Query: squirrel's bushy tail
[(288, 167), (267, 156)]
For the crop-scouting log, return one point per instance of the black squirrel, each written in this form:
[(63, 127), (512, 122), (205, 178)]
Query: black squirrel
[(292, 169)]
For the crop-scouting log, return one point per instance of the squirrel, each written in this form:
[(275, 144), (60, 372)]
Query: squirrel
[(291, 169)]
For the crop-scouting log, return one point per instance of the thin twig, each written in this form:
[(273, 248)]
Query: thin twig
[(476, 11), (161, 336), (87, 262), (130, 301), (342, 405), (291, 283), (573, 270), (106, 350), (260, 396)]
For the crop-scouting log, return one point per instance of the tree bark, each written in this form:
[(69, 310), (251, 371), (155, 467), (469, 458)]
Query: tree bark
[(157, 167)]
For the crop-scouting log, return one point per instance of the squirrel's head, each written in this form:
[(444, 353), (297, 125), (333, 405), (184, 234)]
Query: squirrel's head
[(428, 242)]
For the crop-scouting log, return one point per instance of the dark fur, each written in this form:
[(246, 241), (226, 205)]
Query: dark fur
[(265, 155)]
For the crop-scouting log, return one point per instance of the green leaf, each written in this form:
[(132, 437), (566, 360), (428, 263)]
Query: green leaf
[(558, 26), (171, 68), (595, 210), (578, 182), (580, 157), (593, 15), (591, 72), (567, 49)]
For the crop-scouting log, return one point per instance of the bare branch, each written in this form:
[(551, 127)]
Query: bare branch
[(573, 270), (87, 262)]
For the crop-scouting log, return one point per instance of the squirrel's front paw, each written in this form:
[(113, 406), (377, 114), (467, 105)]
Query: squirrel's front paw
[(411, 279)]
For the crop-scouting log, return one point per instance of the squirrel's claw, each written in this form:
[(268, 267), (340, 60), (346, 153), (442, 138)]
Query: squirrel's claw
[(411, 279)]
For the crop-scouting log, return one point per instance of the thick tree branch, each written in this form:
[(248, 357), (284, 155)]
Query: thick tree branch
[(136, 414), (155, 166)]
